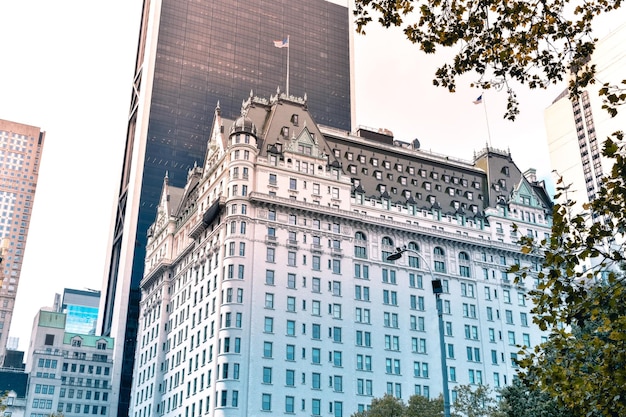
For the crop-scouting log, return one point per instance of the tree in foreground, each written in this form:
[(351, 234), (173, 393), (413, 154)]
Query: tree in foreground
[(390, 406), (525, 400), (504, 42), (475, 401), (583, 363)]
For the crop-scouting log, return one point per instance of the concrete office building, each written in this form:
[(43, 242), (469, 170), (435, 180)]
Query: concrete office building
[(577, 128), (192, 56), (267, 287), (21, 147), (69, 373)]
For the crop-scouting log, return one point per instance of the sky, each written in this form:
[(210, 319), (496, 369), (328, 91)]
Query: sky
[(67, 67)]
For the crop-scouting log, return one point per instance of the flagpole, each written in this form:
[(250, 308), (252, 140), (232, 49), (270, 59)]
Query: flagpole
[(487, 120), (288, 48)]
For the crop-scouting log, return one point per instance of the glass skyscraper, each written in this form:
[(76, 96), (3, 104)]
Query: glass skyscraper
[(193, 56)]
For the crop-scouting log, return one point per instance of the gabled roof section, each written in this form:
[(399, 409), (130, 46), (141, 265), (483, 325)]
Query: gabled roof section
[(168, 203), (217, 143), (305, 143), (283, 122), (189, 196)]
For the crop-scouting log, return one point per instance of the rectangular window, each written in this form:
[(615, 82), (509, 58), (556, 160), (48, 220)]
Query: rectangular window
[(291, 281)]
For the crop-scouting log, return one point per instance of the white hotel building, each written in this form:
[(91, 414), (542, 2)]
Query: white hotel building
[(267, 289)]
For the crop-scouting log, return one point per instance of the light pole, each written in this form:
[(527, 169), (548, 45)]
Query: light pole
[(437, 290)]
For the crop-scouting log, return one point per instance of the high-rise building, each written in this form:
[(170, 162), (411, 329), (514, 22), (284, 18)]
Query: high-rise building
[(268, 284), (81, 310), (577, 127), (192, 56), (69, 373), (21, 147)]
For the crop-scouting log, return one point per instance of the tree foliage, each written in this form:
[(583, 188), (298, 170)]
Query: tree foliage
[(420, 406), (390, 406), (526, 400), (532, 42), (581, 299), (475, 402)]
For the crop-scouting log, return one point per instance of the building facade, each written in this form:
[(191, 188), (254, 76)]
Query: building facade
[(192, 56), (81, 310), (69, 373), (576, 128), (21, 148), (267, 284)]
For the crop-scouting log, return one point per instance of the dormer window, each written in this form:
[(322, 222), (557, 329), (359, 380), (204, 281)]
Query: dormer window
[(386, 164), (399, 167), (294, 119), (374, 162), (362, 159), (349, 156), (422, 173), (434, 175), (411, 170), (285, 131), (77, 342), (378, 175)]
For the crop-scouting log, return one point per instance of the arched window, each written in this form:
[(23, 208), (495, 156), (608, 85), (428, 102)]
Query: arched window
[(464, 265), (387, 241), (414, 260), (440, 262), (360, 250)]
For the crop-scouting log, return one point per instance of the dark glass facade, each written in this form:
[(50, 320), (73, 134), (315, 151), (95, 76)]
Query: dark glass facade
[(207, 52)]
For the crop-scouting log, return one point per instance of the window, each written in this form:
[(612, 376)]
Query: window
[(271, 255), (316, 355), (290, 352), (266, 402), (389, 276), (420, 369), (511, 338), (267, 349), (269, 325), (523, 319), (269, 300), (291, 328), (316, 285), (390, 297), (416, 281), (509, 316), (291, 281)]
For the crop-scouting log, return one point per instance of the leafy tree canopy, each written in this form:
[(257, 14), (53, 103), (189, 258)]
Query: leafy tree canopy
[(526, 400), (390, 406), (581, 299), (475, 402), (532, 42)]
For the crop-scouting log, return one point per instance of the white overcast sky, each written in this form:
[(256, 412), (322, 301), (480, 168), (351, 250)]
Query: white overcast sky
[(67, 67)]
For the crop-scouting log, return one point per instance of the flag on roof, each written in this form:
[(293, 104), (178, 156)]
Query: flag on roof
[(478, 100), (282, 44)]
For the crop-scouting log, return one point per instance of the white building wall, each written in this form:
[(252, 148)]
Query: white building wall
[(213, 319)]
